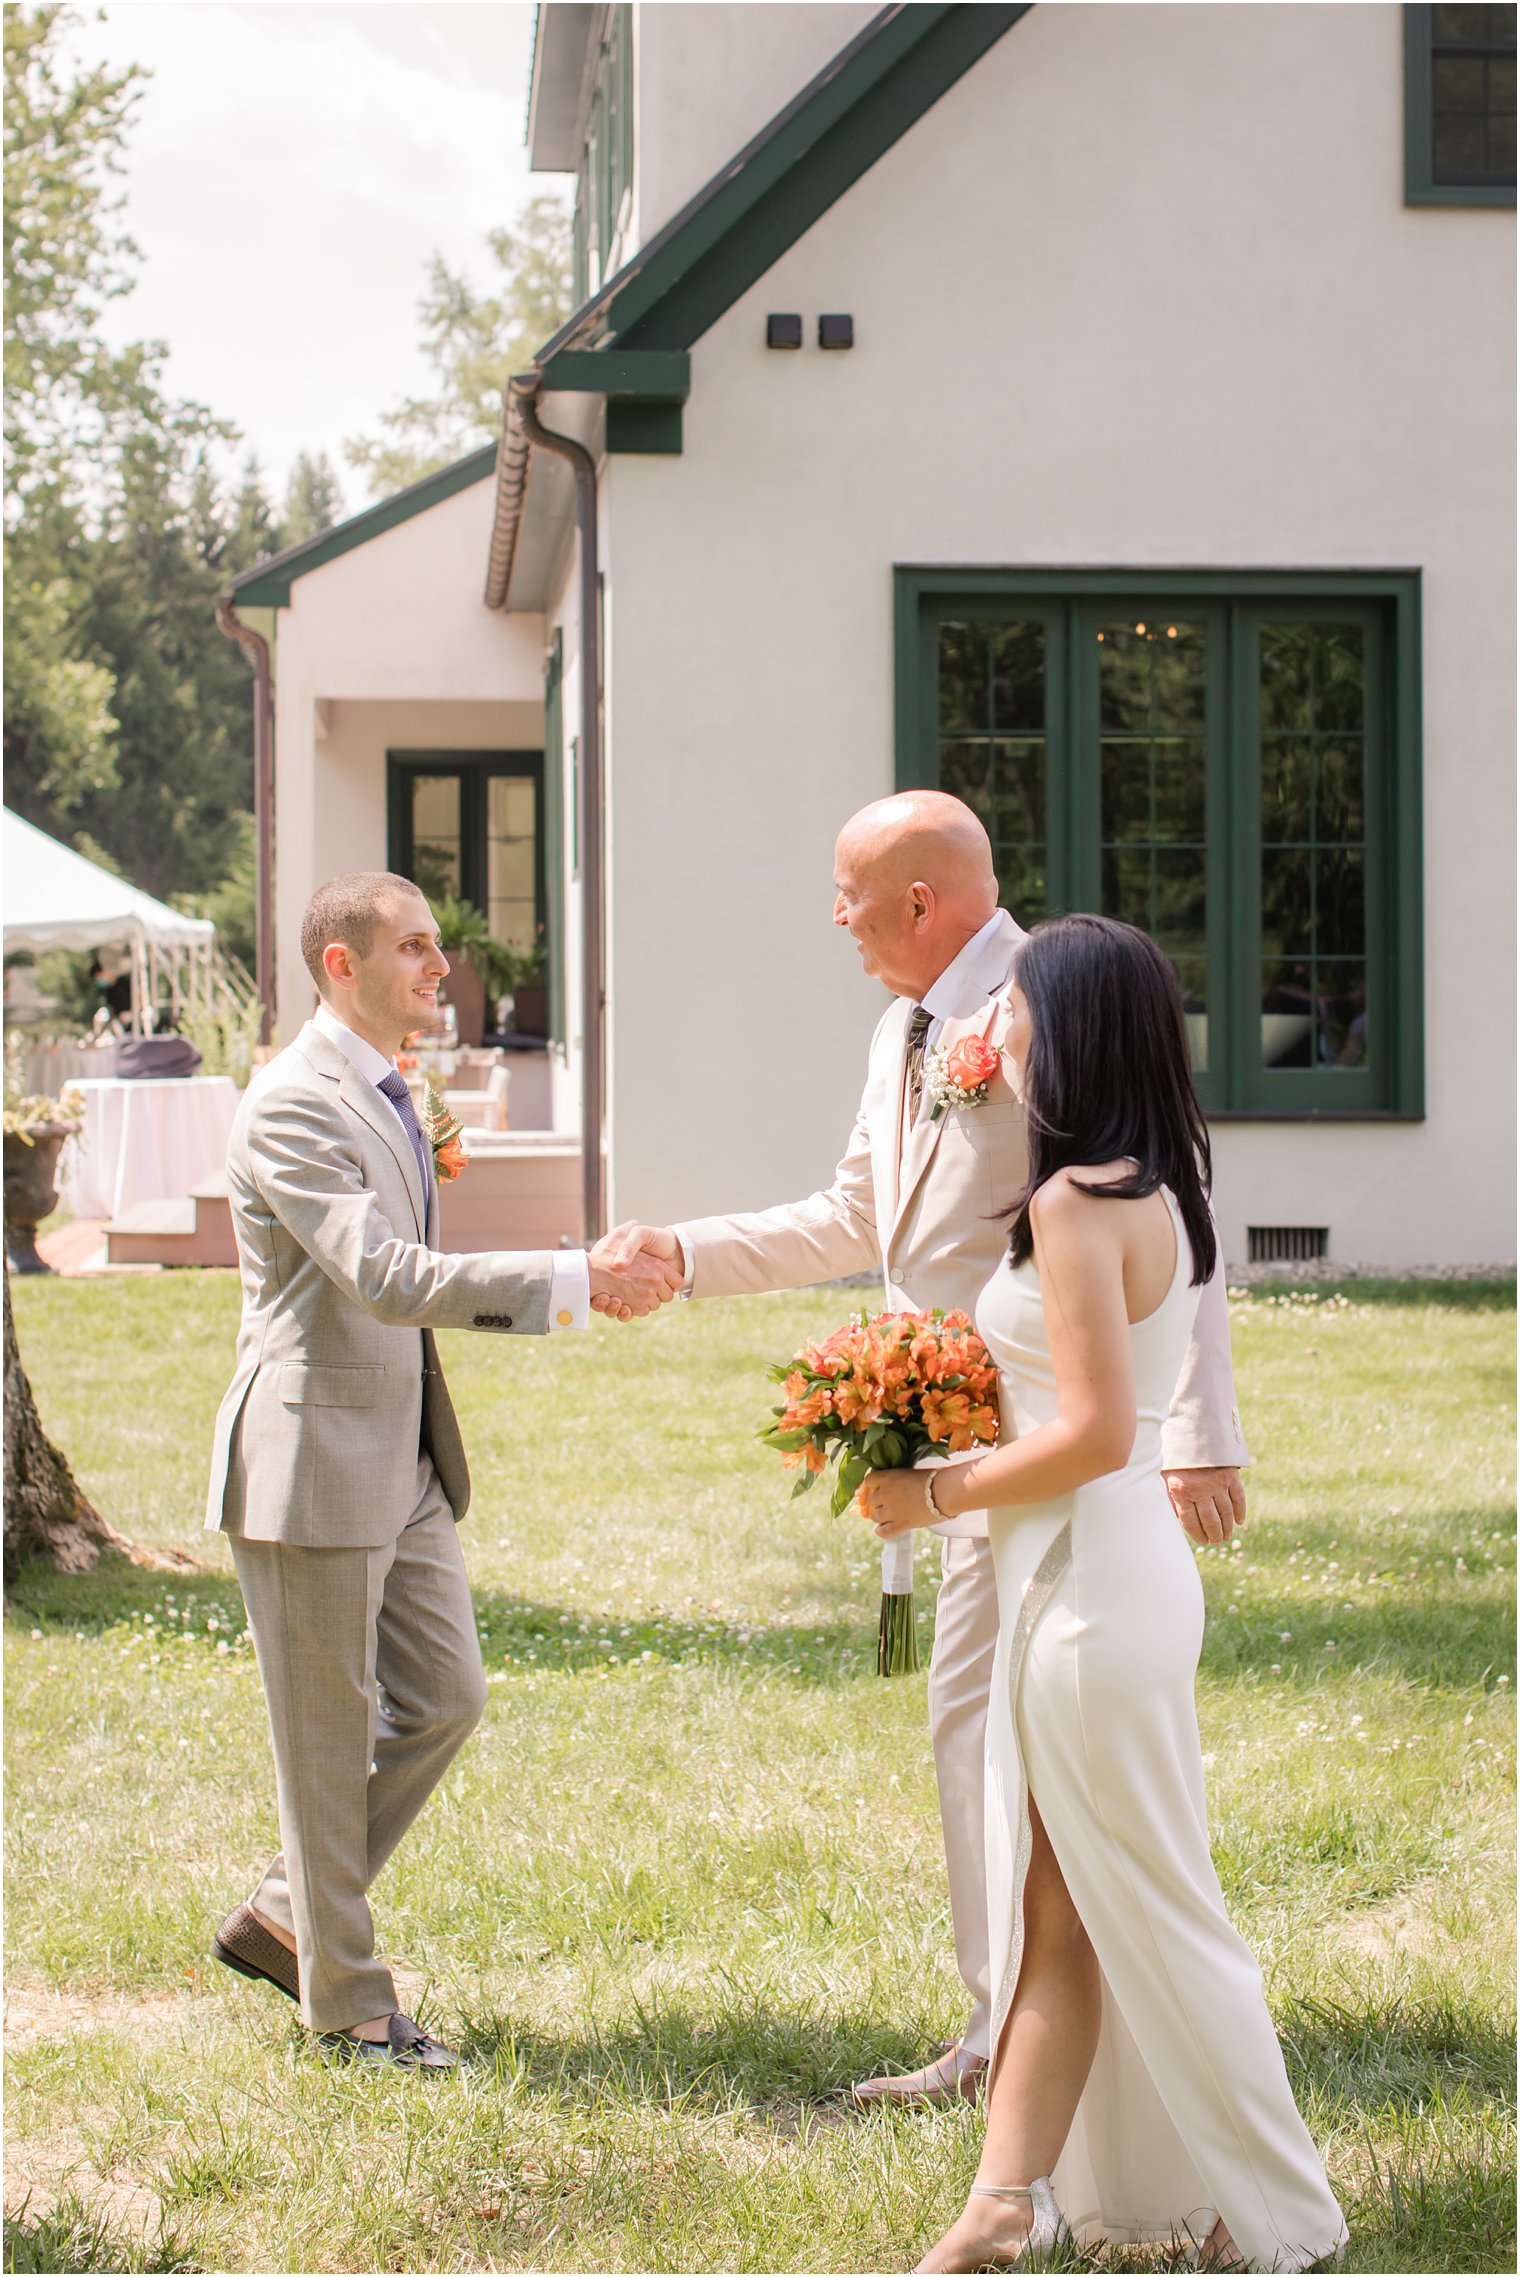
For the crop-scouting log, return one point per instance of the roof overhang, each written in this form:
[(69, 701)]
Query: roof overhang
[(631, 341), (559, 92)]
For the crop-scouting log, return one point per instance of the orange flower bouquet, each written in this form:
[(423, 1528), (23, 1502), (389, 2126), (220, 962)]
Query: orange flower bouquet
[(884, 1394)]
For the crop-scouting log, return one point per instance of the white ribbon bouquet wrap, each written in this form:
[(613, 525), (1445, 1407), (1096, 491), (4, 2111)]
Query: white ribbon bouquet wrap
[(885, 1393)]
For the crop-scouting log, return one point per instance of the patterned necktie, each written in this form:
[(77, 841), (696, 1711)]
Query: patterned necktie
[(394, 1087), (918, 1030)]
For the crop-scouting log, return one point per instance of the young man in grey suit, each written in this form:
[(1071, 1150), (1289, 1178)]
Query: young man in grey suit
[(338, 1472), (919, 1198)]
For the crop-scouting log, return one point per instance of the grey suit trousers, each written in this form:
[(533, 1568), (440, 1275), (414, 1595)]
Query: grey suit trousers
[(960, 1677), (371, 1669)]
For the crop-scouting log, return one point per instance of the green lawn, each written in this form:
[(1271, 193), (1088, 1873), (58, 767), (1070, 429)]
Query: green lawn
[(687, 1877)]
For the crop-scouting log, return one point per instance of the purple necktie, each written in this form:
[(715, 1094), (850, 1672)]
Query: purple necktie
[(394, 1087)]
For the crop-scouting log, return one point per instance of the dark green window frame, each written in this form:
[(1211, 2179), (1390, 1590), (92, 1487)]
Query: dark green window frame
[(554, 836), (474, 770), (1233, 606), (1422, 45), (606, 168)]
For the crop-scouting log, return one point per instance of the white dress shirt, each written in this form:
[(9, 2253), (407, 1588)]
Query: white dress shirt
[(570, 1290)]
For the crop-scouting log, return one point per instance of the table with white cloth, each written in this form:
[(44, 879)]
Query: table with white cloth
[(148, 1141)]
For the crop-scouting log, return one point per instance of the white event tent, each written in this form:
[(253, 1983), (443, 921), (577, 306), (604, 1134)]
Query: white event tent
[(55, 899)]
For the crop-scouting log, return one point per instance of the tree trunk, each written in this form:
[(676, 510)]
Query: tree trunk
[(46, 1515)]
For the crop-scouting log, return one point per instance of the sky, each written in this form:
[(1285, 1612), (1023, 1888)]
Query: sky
[(293, 166)]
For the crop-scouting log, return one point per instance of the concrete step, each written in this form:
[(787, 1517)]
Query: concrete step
[(196, 1231)]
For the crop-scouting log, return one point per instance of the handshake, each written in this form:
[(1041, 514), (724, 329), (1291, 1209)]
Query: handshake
[(634, 1270)]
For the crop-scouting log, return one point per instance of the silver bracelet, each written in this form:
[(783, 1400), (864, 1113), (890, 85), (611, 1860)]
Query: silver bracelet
[(929, 1479)]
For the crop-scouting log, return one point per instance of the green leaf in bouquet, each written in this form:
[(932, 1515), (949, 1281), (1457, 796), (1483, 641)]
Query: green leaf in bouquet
[(889, 1452)]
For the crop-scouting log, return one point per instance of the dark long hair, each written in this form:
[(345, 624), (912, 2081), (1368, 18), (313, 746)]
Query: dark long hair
[(1108, 1075)]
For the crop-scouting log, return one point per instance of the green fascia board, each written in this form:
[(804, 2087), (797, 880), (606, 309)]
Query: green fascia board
[(647, 374), (637, 425), (268, 584), (772, 192)]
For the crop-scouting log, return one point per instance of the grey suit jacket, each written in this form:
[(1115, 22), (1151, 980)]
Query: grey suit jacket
[(337, 1385)]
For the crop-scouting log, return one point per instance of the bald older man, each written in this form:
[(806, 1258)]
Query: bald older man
[(920, 1198)]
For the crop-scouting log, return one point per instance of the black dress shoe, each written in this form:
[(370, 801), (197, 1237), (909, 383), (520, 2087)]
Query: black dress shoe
[(244, 1944), (406, 2047)]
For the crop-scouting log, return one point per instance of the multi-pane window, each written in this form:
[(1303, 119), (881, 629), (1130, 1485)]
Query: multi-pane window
[(606, 169), (1459, 94), (992, 741), (1228, 768), (471, 823)]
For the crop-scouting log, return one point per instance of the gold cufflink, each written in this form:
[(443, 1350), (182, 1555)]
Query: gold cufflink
[(564, 1318)]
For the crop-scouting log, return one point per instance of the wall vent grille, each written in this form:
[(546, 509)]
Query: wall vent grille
[(1287, 1244)]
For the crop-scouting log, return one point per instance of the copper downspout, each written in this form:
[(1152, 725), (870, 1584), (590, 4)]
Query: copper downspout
[(256, 648), (525, 387)]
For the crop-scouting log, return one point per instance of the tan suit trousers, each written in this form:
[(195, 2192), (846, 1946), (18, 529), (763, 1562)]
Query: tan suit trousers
[(371, 1669), (960, 1677)]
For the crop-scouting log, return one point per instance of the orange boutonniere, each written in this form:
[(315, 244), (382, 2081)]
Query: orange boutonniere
[(445, 1135), (961, 1075)]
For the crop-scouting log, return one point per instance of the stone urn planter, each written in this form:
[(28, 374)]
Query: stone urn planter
[(31, 1191)]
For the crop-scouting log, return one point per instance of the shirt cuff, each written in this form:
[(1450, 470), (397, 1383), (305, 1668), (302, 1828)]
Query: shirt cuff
[(688, 1263), (570, 1291)]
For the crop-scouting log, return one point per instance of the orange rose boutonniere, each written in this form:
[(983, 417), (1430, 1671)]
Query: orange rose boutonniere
[(960, 1076), (445, 1135)]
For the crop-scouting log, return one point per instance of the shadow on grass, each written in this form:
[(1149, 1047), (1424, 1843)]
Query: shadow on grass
[(1393, 2053), (1452, 1635), (1489, 1292), (516, 1631), (748, 2057), (72, 2236)]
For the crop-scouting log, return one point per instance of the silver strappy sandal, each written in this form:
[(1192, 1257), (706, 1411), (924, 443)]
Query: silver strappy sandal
[(1048, 2230)]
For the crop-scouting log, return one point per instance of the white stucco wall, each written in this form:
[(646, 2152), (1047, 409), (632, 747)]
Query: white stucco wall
[(388, 647), (1140, 290), (709, 78)]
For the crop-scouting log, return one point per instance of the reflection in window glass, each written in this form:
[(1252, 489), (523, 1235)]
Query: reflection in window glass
[(512, 859), (1152, 691), (992, 746), (436, 834), (1313, 846), (1472, 96)]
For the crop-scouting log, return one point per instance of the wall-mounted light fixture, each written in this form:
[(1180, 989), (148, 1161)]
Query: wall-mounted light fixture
[(836, 331), (783, 332)]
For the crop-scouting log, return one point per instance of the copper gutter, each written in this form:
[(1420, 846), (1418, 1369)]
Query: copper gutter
[(256, 648), (521, 397)]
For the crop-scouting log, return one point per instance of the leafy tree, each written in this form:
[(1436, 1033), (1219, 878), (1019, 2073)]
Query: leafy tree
[(474, 341), (313, 500), (127, 719)]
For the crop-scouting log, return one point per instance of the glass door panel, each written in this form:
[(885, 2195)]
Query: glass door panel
[(436, 834), (994, 747), (512, 859), (1312, 706), (1152, 711)]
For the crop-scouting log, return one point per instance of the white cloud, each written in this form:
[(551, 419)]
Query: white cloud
[(293, 166)]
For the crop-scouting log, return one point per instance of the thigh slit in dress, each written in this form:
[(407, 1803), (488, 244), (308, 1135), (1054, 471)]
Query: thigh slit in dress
[(1187, 2113)]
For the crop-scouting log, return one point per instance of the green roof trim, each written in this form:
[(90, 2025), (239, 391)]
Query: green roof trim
[(767, 197), (661, 375), (267, 585)]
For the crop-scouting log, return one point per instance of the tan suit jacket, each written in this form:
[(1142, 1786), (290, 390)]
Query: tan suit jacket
[(930, 1217), (337, 1385)]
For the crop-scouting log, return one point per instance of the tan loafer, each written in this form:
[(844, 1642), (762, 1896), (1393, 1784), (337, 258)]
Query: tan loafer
[(954, 2077)]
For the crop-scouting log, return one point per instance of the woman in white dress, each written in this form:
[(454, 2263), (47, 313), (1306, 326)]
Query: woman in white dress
[(1137, 2091)]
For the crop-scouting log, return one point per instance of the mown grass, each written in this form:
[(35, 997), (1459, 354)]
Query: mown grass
[(687, 1879)]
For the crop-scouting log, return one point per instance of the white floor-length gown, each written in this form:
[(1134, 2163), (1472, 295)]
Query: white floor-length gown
[(1187, 2112)]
